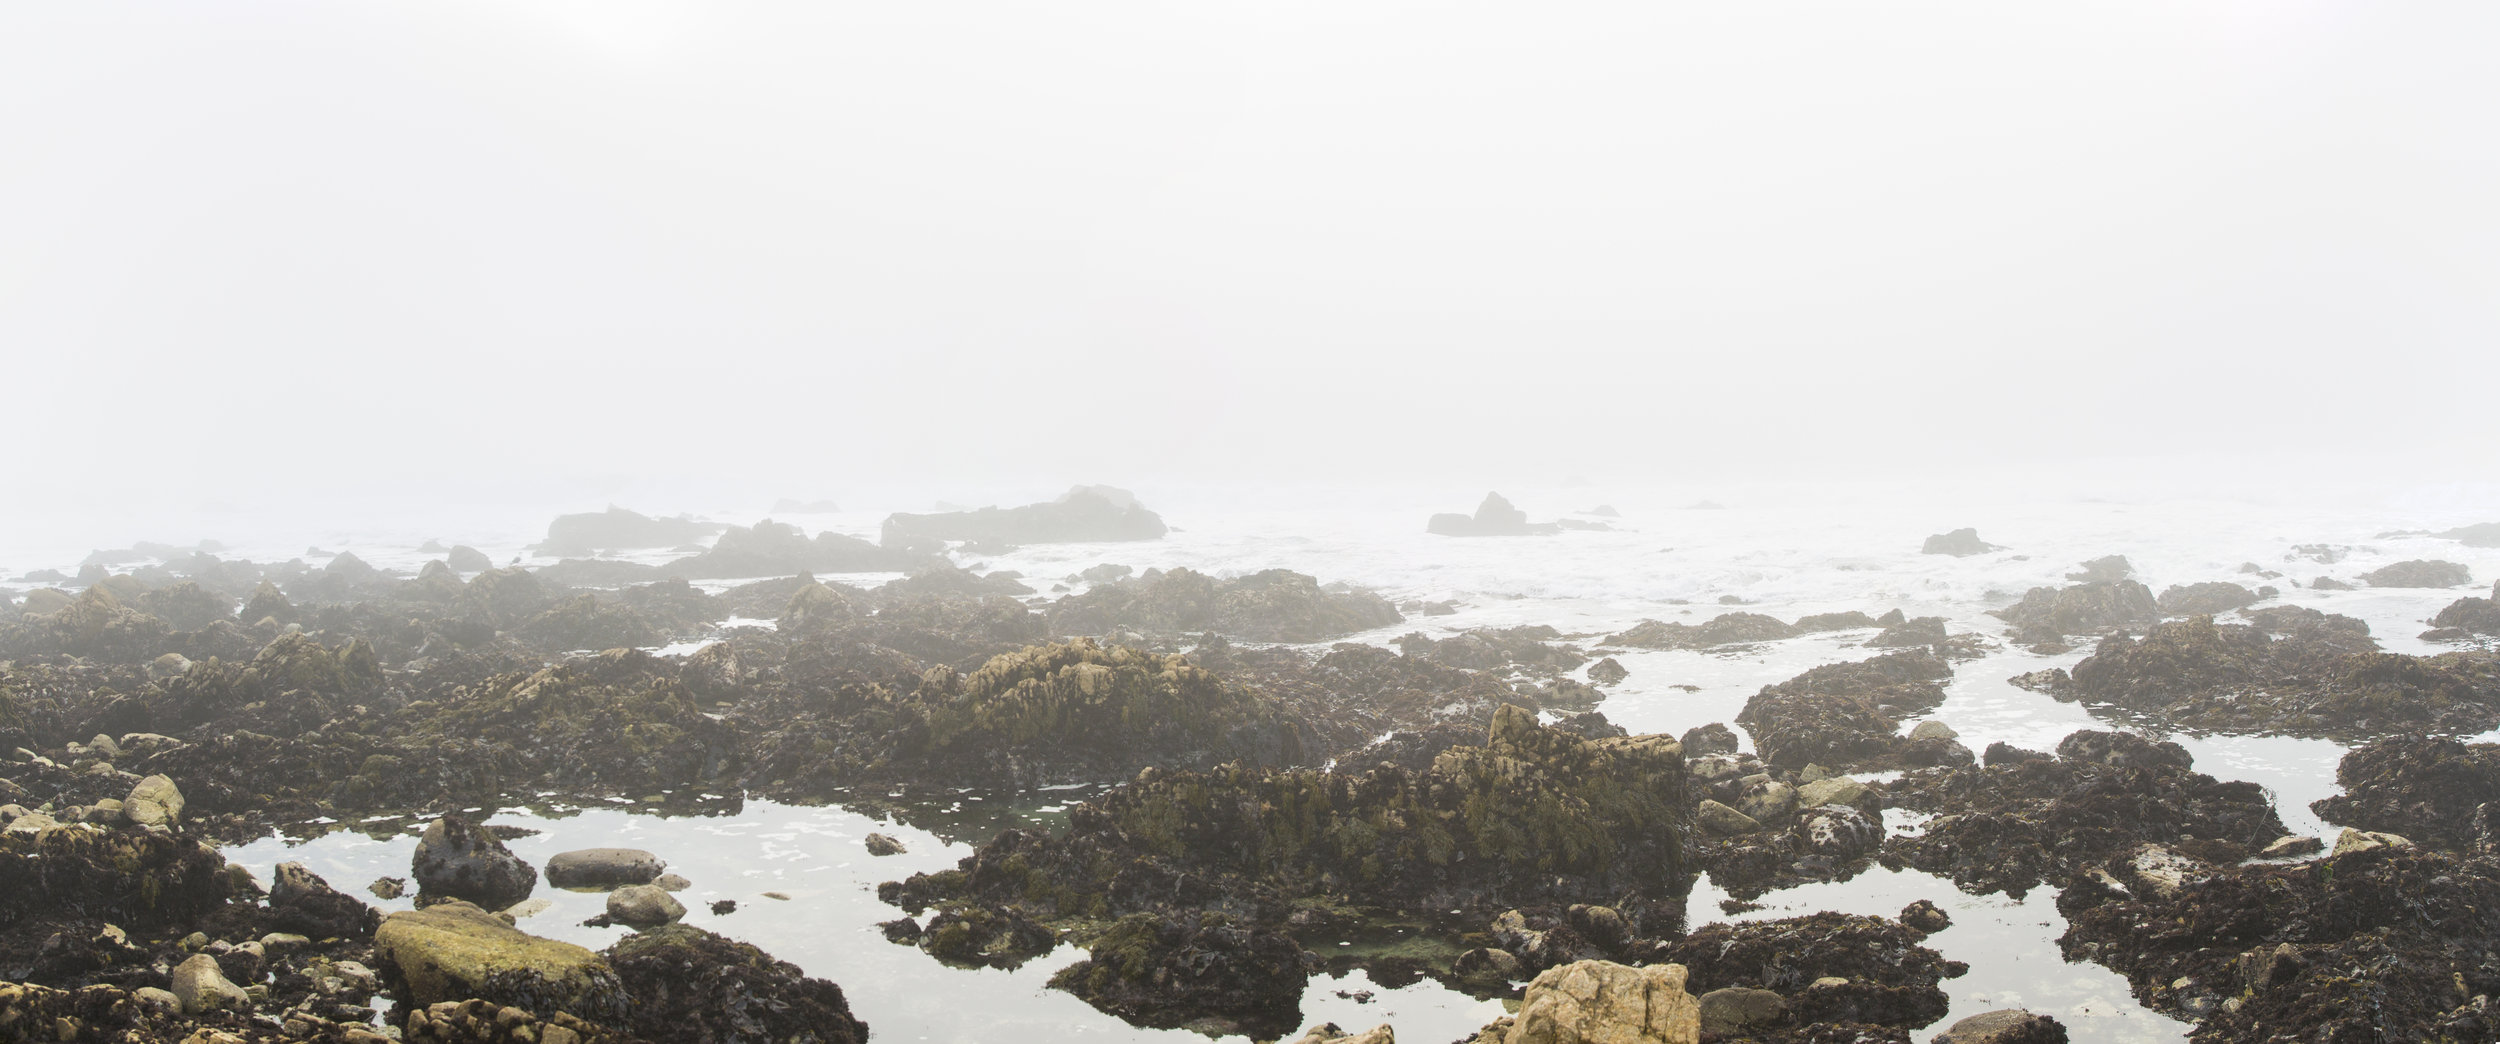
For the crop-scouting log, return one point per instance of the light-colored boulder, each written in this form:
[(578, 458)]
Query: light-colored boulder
[(154, 801), (1329, 1033), (31, 823), (2351, 841), (1601, 1002), (1768, 801), (2291, 845), (881, 845), (1934, 730), (159, 999), (644, 906), (454, 951), (199, 985), (1717, 818), (1834, 790)]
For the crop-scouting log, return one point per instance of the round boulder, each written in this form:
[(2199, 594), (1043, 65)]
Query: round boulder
[(644, 906)]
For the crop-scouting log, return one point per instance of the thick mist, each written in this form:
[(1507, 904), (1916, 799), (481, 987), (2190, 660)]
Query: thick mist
[(409, 257)]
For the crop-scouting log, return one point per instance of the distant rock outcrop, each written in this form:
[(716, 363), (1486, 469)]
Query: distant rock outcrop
[(2206, 599), (618, 529), (1276, 605), (1494, 517), (1961, 543), (2419, 573), (770, 548), (2480, 534), (1085, 513)]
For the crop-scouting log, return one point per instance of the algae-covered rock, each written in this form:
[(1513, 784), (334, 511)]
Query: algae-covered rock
[(1197, 969), (454, 951), (134, 878), (690, 985), (1845, 716), (1600, 1002), (2047, 613), (2290, 671), (2205, 599), (621, 719), (1274, 605)]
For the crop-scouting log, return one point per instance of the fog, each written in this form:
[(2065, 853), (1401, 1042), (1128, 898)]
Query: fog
[(440, 253)]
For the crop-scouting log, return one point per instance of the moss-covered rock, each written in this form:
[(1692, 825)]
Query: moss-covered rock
[(454, 951), (1195, 969), (128, 877), (2291, 671), (1845, 716)]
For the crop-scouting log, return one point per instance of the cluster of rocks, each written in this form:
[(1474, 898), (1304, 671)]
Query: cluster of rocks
[(2289, 670)]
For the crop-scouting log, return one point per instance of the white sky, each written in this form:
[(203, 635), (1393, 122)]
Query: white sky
[(326, 245)]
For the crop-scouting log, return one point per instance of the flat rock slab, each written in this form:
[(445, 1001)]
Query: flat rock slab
[(603, 868)]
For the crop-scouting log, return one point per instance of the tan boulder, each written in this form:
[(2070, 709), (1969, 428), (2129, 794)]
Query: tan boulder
[(1601, 1002)]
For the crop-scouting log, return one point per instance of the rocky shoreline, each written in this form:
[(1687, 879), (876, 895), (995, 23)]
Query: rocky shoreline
[(1461, 787)]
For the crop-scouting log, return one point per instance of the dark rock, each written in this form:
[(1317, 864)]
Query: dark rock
[(2103, 570), (1494, 517), (1275, 605), (2012, 825), (687, 984), (466, 559), (617, 529), (1892, 980), (2472, 615), (2427, 789), (2419, 573), (2046, 613), (1085, 513), (457, 859), (603, 868), (1608, 672), (2328, 583), (2291, 671), (1926, 916), (770, 548), (1194, 968), (1713, 738), (1960, 543), (2206, 599), (1844, 716), (300, 901), (2387, 944), (1726, 629)]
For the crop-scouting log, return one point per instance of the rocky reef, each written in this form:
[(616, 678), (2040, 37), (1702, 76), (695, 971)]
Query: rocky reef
[(2288, 671), (1532, 816), (1847, 716), (1274, 605), (1494, 517)]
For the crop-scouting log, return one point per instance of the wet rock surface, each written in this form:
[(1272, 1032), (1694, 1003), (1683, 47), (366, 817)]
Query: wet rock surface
[(2014, 824), (2381, 945), (2431, 790), (1847, 716), (2046, 615), (2289, 671)]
